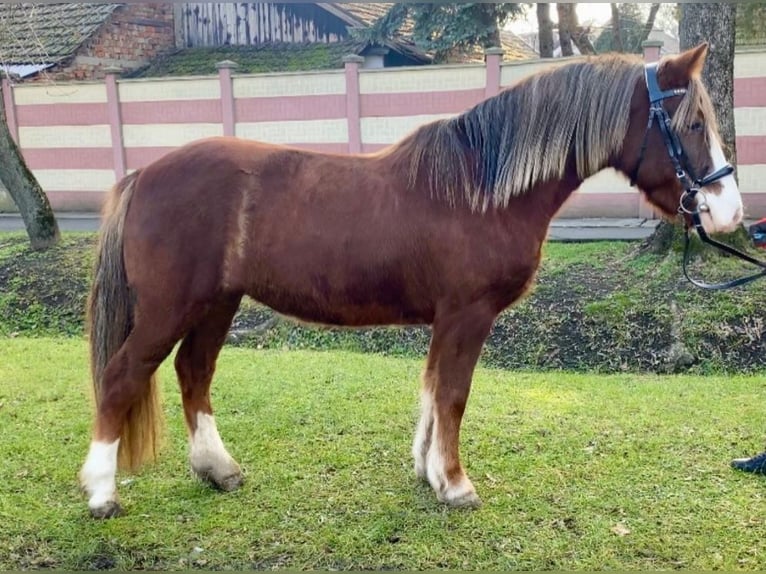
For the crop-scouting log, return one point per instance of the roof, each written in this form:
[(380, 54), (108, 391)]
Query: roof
[(259, 58), (513, 46), (32, 33), (39, 35), (365, 13)]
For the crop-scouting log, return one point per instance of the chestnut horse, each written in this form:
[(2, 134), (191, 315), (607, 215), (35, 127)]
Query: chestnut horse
[(443, 228)]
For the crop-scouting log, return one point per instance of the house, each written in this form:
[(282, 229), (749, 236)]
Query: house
[(285, 26), (77, 41), (670, 43)]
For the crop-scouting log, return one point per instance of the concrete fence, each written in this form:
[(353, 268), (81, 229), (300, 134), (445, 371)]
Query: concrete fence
[(79, 138)]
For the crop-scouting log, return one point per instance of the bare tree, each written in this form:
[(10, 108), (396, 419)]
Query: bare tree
[(545, 30), (565, 32), (629, 27), (617, 44), (33, 204), (649, 26), (715, 23), (569, 26), (23, 187)]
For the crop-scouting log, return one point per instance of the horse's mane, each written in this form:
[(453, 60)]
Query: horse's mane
[(507, 144), (697, 100)]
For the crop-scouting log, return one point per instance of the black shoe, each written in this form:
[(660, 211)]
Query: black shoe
[(756, 464)]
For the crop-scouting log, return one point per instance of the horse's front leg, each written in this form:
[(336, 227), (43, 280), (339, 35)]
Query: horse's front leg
[(456, 343)]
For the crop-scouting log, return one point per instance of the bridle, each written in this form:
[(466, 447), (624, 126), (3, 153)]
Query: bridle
[(691, 185)]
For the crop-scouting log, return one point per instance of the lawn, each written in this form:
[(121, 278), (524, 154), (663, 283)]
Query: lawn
[(605, 306), (576, 471)]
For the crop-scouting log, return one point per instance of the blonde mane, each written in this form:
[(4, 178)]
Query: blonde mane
[(697, 101), (524, 136)]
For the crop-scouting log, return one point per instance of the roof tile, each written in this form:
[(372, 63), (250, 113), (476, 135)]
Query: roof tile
[(47, 33)]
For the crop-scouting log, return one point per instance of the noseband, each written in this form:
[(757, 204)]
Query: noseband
[(691, 184)]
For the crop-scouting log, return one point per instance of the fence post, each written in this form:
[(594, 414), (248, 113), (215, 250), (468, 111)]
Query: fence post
[(352, 64), (493, 58), (115, 121), (227, 95), (9, 103), (652, 50)]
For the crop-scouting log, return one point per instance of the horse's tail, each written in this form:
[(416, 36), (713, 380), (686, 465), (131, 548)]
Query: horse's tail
[(110, 314)]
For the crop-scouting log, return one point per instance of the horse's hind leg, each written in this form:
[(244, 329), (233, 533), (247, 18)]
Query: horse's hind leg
[(195, 365), (128, 388), (455, 347)]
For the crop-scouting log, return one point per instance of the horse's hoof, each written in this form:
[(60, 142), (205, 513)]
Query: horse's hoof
[(110, 509), (469, 500), (226, 483), (756, 464)]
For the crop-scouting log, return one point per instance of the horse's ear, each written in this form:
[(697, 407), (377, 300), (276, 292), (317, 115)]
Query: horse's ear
[(686, 65)]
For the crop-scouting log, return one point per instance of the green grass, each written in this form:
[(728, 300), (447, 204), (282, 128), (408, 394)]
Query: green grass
[(563, 462), (602, 306)]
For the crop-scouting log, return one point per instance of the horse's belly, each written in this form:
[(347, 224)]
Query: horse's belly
[(342, 314), (343, 305)]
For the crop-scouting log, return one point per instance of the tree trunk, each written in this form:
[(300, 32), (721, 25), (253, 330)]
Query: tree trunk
[(579, 36), (26, 193), (649, 23), (493, 40), (565, 33), (617, 44), (712, 23), (715, 24), (545, 27)]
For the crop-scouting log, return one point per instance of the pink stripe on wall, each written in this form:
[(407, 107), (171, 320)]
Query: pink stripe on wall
[(69, 158), (290, 108), (600, 205), (750, 92), (751, 150), (171, 112), (42, 115), (138, 157), (755, 204), (389, 105)]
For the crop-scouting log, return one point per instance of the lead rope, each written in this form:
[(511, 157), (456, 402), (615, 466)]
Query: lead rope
[(721, 247)]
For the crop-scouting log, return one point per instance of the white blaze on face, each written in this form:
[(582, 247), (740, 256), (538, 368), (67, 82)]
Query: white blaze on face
[(724, 207)]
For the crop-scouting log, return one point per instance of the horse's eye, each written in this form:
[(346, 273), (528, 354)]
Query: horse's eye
[(697, 126)]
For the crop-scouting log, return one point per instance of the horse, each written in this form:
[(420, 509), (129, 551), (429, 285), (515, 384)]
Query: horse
[(443, 228)]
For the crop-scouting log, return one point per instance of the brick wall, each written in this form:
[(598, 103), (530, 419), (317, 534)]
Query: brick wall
[(132, 36)]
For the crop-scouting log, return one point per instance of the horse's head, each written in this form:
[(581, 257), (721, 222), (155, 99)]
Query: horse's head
[(664, 163)]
